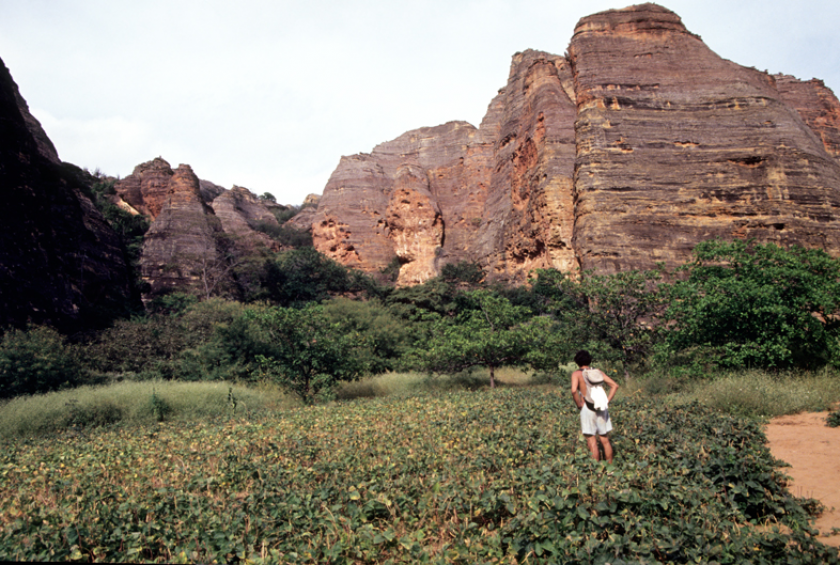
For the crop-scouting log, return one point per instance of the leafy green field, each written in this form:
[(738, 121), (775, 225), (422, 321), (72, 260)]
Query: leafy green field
[(470, 477)]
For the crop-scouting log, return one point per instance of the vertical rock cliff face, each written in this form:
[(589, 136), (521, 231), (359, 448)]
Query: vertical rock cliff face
[(239, 210), (676, 145), (60, 262), (181, 248), (639, 144), (387, 205), (528, 218), (200, 231), (500, 194)]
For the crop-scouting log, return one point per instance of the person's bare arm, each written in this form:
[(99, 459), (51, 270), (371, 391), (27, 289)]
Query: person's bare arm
[(613, 387), (577, 395)]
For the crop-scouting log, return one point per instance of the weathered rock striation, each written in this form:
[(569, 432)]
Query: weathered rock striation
[(60, 262), (200, 231), (676, 145), (627, 152)]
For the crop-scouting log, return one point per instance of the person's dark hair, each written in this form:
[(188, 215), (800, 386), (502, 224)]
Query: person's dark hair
[(583, 358)]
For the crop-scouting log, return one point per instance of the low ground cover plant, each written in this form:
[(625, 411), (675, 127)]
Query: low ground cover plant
[(468, 477)]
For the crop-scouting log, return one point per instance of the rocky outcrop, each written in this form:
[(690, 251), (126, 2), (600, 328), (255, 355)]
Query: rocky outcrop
[(676, 145), (384, 206), (60, 262), (201, 232), (147, 188), (625, 153), (181, 250), (306, 214), (239, 212), (817, 106)]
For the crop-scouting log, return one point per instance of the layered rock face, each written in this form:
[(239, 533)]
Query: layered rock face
[(200, 231), (500, 194), (676, 145), (628, 152), (60, 262)]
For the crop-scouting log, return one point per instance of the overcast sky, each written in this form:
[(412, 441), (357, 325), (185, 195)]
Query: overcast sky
[(270, 94)]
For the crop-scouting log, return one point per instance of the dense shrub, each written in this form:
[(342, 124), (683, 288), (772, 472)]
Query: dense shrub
[(36, 360), (749, 305), (302, 350), (303, 275)]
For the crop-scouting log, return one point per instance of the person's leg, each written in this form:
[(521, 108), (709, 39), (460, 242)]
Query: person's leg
[(593, 446), (608, 450)]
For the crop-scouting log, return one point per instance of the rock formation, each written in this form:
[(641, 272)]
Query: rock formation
[(60, 262), (676, 145), (200, 231), (626, 152)]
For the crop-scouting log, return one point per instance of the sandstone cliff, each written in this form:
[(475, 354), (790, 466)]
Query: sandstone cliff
[(200, 231), (60, 262), (628, 151)]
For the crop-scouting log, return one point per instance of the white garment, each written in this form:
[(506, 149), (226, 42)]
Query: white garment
[(599, 398), (595, 392)]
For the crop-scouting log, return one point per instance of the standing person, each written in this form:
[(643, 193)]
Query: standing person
[(591, 399)]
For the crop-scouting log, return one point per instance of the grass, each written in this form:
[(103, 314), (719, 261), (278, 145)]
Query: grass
[(134, 403), (753, 393), (758, 394), (389, 384)]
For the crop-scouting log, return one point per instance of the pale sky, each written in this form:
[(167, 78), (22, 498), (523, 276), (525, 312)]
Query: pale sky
[(270, 94)]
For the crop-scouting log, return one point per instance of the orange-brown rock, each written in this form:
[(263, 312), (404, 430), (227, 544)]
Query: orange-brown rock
[(629, 151), (147, 188), (200, 231), (180, 250), (239, 210), (306, 214), (500, 195), (676, 145), (818, 107)]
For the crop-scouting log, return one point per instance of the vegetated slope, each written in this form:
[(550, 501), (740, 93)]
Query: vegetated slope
[(499, 477), (60, 261), (629, 150)]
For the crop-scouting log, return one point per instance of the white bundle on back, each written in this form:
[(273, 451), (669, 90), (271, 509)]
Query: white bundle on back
[(595, 388)]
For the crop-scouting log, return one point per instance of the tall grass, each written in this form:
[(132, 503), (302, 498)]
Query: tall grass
[(388, 384), (132, 403), (759, 394)]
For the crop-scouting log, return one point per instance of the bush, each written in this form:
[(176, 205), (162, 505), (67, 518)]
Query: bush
[(761, 306), (37, 360)]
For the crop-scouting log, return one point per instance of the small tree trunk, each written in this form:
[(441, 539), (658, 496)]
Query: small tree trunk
[(492, 377)]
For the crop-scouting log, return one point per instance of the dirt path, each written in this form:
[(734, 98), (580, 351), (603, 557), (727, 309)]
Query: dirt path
[(813, 450)]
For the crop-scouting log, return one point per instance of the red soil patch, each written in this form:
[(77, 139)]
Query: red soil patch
[(813, 451)]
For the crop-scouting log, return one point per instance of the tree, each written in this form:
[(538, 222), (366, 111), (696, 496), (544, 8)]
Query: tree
[(746, 304), (304, 275), (383, 337), (492, 334), (614, 316), (305, 351)]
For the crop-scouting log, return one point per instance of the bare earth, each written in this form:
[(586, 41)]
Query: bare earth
[(813, 450)]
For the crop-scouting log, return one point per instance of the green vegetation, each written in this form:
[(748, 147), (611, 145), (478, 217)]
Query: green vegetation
[(134, 403), (297, 426), (470, 477), (746, 305), (754, 393), (36, 360), (302, 351)]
